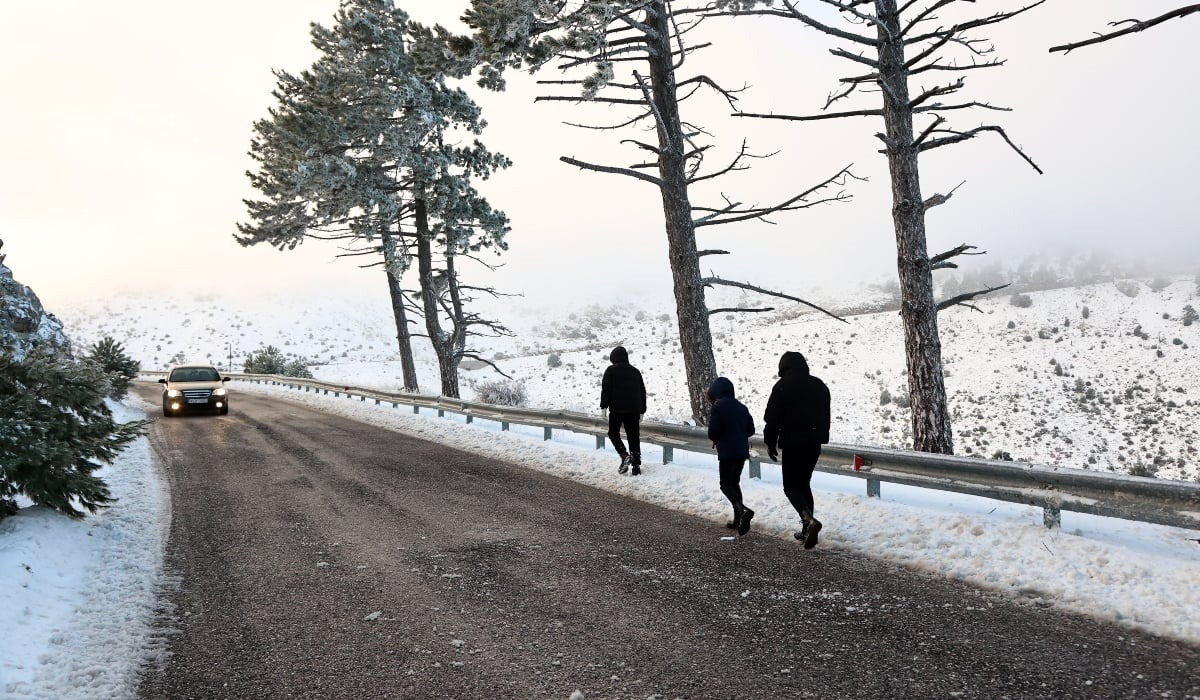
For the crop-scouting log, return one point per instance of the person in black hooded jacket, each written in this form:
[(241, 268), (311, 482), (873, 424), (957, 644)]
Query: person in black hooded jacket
[(623, 394), (797, 422), (730, 427)]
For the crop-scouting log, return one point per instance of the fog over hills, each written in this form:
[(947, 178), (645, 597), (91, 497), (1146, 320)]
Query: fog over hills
[(1103, 376)]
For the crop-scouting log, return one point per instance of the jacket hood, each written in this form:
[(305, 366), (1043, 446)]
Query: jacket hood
[(720, 388), (793, 362), (619, 355)]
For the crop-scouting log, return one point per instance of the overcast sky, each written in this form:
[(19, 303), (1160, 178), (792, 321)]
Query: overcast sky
[(125, 127)]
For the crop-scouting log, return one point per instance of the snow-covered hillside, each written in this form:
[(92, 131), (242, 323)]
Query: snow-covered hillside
[(1102, 377)]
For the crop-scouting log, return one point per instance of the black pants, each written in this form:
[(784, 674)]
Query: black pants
[(797, 465), (630, 421), (731, 478)]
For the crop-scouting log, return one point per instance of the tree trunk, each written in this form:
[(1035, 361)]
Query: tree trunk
[(695, 336), (403, 337), (918, 310), (442, 346)]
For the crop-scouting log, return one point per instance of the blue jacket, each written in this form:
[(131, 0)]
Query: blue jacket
[(729, 425)]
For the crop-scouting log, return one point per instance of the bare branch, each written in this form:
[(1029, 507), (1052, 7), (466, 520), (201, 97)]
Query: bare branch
[(712, 251), (708, 281), (939, 199), (960, 136), (609, 169), (740, 310), (961, 299), (484, 360), (941, 260), (1135, 26)]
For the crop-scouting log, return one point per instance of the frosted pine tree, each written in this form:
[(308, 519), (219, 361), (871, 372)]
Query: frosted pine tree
[(366, 147)]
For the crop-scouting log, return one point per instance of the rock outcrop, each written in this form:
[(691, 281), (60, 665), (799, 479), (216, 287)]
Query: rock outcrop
[(24, 323)]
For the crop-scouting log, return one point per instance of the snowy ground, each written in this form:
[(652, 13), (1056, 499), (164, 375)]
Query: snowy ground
[(80, 595)]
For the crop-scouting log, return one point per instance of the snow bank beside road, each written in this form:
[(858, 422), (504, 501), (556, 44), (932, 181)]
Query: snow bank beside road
[(79, 596)]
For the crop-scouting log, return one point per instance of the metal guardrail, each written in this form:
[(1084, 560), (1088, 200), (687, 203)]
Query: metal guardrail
[(1054, 489)]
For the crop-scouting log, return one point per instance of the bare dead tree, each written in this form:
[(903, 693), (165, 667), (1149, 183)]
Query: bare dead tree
[(892, 44), (1127, 26), (635, 53)]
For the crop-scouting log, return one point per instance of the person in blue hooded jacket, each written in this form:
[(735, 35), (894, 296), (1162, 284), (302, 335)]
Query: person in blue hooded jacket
[(730, 427)]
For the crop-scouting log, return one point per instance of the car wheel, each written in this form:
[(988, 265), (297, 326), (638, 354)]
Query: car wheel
[(224, 409)]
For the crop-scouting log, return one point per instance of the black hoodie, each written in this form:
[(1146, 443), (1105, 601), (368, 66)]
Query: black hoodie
[(798, 409), (622, 389)]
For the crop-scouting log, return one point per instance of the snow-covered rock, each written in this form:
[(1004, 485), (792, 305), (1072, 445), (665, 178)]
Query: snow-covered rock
[(24, 324)]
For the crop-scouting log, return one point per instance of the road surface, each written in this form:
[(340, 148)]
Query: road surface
[(320, 557)]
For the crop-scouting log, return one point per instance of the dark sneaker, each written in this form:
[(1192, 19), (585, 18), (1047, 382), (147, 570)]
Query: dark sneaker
[(801, 534), (624, 464), (637, 470), (744, 523), (811, 532)]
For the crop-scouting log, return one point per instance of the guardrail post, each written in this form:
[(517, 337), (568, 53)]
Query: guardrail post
[(547, 433), (376, 402), (755, 469), (872, 488), (599, 442), (364, 399), (668, 454), (1051, 517), (336, 394), (441, 413), (394, 404), (416, 409), (470, 419), (503, 425)]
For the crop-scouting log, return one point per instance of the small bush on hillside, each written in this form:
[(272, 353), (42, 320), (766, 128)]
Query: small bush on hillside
[(1023, 301), (270, 360), (885, 397), (1159, 283), (1189, 315), (502, 392), (1086, 312), (120, 367), (554, 360)]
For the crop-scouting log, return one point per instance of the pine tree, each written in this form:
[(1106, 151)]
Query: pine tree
[(121, 368), (365, 143), (55, 431)]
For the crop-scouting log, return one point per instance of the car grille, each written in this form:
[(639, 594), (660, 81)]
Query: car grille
[(197, 393)]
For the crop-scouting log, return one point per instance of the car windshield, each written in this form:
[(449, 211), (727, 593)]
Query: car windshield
[(195, 374)]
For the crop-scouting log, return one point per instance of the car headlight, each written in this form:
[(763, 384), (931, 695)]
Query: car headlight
[(174, 393), (220, 391)]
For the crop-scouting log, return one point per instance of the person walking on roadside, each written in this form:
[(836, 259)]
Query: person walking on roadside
[(623, 394), (730, 427), (797, 422)]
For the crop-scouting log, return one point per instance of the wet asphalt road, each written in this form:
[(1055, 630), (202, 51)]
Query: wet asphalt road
[(319, 557)]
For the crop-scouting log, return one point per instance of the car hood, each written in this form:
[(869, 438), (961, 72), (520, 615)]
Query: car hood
[(194, 385)]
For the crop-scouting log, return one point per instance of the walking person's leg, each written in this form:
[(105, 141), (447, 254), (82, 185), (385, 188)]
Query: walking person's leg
[(614, 435), (731, 476), (633, 422), (797, 466)]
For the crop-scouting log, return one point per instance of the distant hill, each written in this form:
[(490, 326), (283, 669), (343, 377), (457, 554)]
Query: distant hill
[(1103, 377)]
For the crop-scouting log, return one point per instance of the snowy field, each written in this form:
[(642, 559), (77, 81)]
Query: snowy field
[(1085, 377)]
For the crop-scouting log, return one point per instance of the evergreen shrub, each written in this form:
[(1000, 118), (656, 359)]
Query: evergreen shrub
[(55, 431)]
